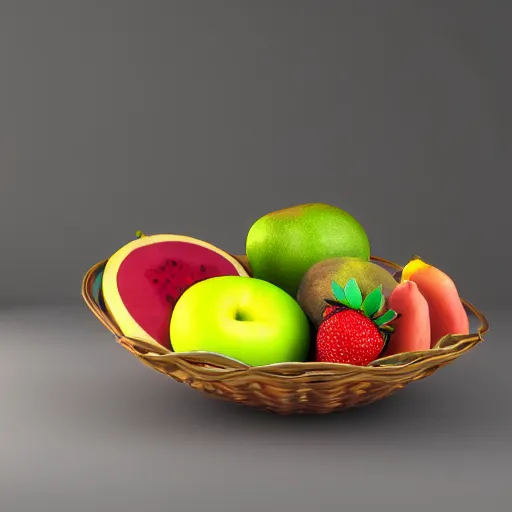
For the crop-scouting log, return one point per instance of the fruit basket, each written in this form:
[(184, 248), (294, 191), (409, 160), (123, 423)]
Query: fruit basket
[(287, 388)]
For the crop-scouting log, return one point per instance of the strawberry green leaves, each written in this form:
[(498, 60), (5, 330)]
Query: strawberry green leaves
[(373, 302), (353, 294), (339, 293), (385, 318), (351, 297)]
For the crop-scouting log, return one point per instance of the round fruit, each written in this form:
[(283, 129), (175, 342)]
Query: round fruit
[(348, 337), (244, 318), (281, 246), (144, 279), (315, 286), (353, 332)]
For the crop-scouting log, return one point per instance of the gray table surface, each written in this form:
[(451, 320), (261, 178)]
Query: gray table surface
[(84, 426)]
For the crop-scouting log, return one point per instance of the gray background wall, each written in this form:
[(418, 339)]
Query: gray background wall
[(197, 117)]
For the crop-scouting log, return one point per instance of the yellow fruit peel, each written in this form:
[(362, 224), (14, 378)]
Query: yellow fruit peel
[(412, 267)]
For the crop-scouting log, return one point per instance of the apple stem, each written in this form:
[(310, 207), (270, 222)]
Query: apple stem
[(139, 234)]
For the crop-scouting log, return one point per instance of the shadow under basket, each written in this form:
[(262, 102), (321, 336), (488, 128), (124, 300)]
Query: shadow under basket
[(287, 388)]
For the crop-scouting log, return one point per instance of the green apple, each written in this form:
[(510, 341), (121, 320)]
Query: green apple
[(247, 319)]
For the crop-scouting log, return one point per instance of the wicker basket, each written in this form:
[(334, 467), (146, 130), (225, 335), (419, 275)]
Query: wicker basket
[(288, 388)]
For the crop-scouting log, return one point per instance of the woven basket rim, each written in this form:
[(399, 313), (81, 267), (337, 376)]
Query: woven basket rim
[(208, 364)]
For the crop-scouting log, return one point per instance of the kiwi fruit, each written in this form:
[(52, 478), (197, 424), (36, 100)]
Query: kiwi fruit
[(316, 284)]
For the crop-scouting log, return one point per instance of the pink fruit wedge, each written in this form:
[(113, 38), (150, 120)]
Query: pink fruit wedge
[(412, 327), (446, 311)]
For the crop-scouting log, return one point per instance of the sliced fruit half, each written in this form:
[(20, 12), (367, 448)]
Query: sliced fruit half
[(144, 279)]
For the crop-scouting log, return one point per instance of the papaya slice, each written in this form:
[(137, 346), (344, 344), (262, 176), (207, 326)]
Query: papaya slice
[(446, 311)]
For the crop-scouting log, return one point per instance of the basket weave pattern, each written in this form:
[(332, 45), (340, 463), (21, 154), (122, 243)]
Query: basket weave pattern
[(288, 388)]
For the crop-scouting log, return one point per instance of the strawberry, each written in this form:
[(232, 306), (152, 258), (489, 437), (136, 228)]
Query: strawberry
[(351, 332)]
